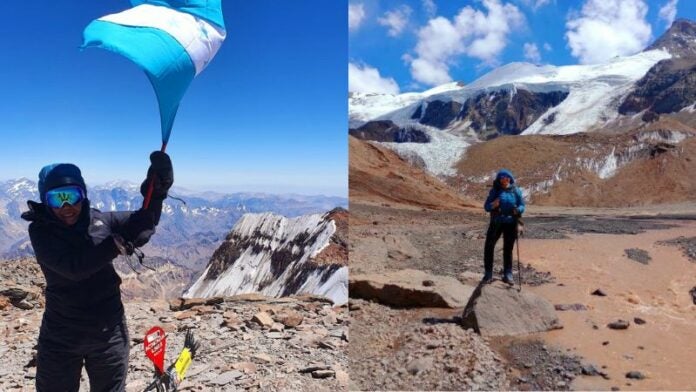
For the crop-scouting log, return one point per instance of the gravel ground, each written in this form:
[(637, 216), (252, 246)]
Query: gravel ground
[(544, 368), (246, 342), (439, 242), (391, 348), (419, 349), (558, 227), (687, 245)]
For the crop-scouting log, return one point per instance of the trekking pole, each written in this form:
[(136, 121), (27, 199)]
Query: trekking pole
[(519, 268), (520, 230)]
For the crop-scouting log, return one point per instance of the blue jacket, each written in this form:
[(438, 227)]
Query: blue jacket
[(510, 199)]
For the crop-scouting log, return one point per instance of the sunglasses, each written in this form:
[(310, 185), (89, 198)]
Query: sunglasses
[(72, 194)]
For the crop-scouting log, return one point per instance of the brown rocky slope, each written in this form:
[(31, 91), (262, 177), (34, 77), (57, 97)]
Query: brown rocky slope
[(378, 175), (649, 165)]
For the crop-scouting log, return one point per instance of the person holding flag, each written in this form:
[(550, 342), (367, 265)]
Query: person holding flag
[(172, 41), (84, 319)]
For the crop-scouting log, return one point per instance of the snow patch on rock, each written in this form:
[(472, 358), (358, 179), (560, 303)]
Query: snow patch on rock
[(272, 255)]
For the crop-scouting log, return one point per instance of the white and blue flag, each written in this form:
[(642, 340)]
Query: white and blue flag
[(171, 40)]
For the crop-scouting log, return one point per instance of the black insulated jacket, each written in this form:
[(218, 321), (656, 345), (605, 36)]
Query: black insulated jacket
[(82, 287)]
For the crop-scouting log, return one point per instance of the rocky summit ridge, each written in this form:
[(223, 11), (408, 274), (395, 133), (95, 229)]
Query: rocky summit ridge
[(247, 342)]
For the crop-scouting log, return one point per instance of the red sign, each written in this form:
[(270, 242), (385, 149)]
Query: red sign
[(155, 344)]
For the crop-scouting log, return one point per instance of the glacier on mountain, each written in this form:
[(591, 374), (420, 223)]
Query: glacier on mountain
[(594, 94)]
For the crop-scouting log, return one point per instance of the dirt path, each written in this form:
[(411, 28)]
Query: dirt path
[(662, 348)]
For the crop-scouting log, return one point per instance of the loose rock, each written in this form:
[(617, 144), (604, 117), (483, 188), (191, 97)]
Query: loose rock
[(323, 373), (227, 377), (263, 319), (635, 375), (419, 365), (619, 324), (573, 307)]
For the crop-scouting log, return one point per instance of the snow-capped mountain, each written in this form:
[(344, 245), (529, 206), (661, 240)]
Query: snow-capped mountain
[(279, 256), (647, 96), (585, 94), (363, 107), (187, 234)]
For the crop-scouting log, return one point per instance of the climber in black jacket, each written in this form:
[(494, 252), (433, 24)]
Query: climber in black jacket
[(84, 319)]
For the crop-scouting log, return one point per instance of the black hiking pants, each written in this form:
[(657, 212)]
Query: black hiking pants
[(509, 233), (63, 350)]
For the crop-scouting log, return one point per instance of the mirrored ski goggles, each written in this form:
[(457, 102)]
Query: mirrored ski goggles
[(71, 194)]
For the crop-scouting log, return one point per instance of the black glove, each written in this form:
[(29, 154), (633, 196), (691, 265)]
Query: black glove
[(124, 247), (516, 212), (161, 173), (139, 228)]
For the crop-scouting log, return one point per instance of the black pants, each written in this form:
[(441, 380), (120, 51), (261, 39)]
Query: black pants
[(509, 233), (63, 350)]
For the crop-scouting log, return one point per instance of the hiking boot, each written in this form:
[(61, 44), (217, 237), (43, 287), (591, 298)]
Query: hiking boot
[(487, 278), (507, 278)]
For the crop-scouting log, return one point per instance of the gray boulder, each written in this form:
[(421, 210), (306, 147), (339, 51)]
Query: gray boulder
[(497, 309)]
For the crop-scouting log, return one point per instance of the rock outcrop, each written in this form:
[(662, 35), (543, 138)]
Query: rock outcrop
[(278, 256), (500, 310), (21, 285), (679, 39), (668, 87), (387, 131), (491, 114), (410, 288)]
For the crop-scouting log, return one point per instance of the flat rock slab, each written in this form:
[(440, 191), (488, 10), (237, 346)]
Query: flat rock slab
[(410, 288), (497, 309)]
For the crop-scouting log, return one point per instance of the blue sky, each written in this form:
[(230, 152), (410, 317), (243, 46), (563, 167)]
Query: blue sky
[(412, 45), (269, 113)]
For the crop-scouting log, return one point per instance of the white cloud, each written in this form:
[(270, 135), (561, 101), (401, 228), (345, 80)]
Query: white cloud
[(430, 7), (540, 3), (366, 79), (396, 20), (536, 4), (356, 15), (607, 28), (472, 32), (531, 52), (547, 47), (668, 12)]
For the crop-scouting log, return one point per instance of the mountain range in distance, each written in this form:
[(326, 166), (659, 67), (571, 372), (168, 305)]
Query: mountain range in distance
[(576, 135), (188, 233)]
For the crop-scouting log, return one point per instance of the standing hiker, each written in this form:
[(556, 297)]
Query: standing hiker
[(84, 319), (505, 205)]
